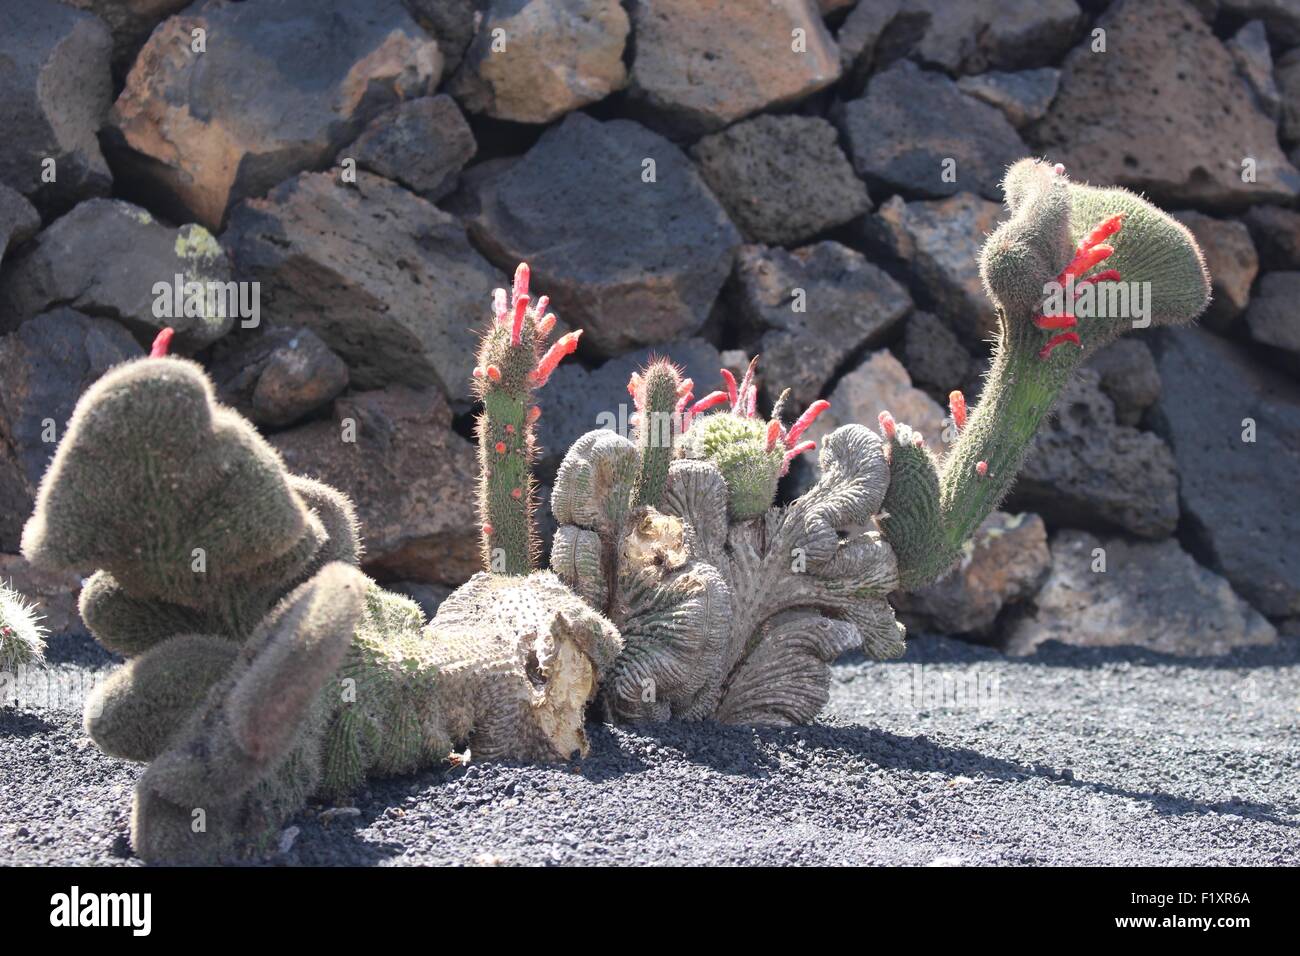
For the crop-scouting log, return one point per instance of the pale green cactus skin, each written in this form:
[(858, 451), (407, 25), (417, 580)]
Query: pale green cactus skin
[(932, 508)]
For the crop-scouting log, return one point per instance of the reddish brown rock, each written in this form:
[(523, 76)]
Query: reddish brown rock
[(1151, 111), (1233, 263), (279, 89), (1004, 562), (410, 476), (703, 64), (533, 61)]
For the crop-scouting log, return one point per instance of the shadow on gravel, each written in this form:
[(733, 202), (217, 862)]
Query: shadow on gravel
[(16, 723), (767, 753)]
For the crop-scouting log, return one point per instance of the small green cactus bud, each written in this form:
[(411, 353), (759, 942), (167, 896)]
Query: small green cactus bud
[(752, 454), (22, 638), (512, 363)]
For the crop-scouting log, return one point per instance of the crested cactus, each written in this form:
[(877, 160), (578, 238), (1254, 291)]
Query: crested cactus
[(1072, 269), (22, 637), (262, 667), (729, 607)]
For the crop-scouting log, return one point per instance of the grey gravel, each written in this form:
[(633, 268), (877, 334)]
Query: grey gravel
[(1073, 756)]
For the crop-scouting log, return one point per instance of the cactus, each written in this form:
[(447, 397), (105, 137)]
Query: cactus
[(22, 637), (729, 607), (511, 365), (263, 668), (1065, 245)]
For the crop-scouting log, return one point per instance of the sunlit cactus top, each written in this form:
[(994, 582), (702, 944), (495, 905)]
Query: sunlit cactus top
[(752, 453)]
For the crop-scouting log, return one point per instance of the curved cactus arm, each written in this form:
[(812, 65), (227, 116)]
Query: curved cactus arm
[(513, 362), (697, 493), (1072, 269), (250, 756), (137, 712)]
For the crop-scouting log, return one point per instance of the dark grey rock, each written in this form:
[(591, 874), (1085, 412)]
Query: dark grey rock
[(782, 179), (279, 376), (453, 22), (56, 87), (933, 356), (1249, 49), (973, 37), (1287, 74), (281, 87), (1241, 516), (110, 258), (1273, 318), (386, 279), (1150, 594), (422, 144), (914, 132), (1276, 233), (412, 478), (1127, 374), (131, 22), (939, 242), (817, 305), (19, 220), (1281, 17), (1022, 97), (1087, 470), (45, 365), (632, 262)]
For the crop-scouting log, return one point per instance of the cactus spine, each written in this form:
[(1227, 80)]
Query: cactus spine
[(511, 366), (1072, 269), (22, 638)]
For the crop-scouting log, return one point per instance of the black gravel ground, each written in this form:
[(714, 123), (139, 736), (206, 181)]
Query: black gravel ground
[(955, 755)]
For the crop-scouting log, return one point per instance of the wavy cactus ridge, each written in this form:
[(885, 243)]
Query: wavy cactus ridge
[(1072, 269)]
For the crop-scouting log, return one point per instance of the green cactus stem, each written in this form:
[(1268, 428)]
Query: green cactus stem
[(659, 394), (1066, 246), (512, 364)]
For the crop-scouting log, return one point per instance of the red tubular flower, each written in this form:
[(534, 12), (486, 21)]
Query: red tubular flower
[(1108, 275), (982, 468), (494, 373), (708, 401), (795, 452), (500, 308), (534, 413), (501, 448), (684, 402), (803, 421), (731, 386), (162, 343), (747, 397), (1056, 321), (517, 324), (957, 408), (519, 288), (546, 323), (773, 433), (633, 384), (887, 426), (1056, 340), (566, 344)]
